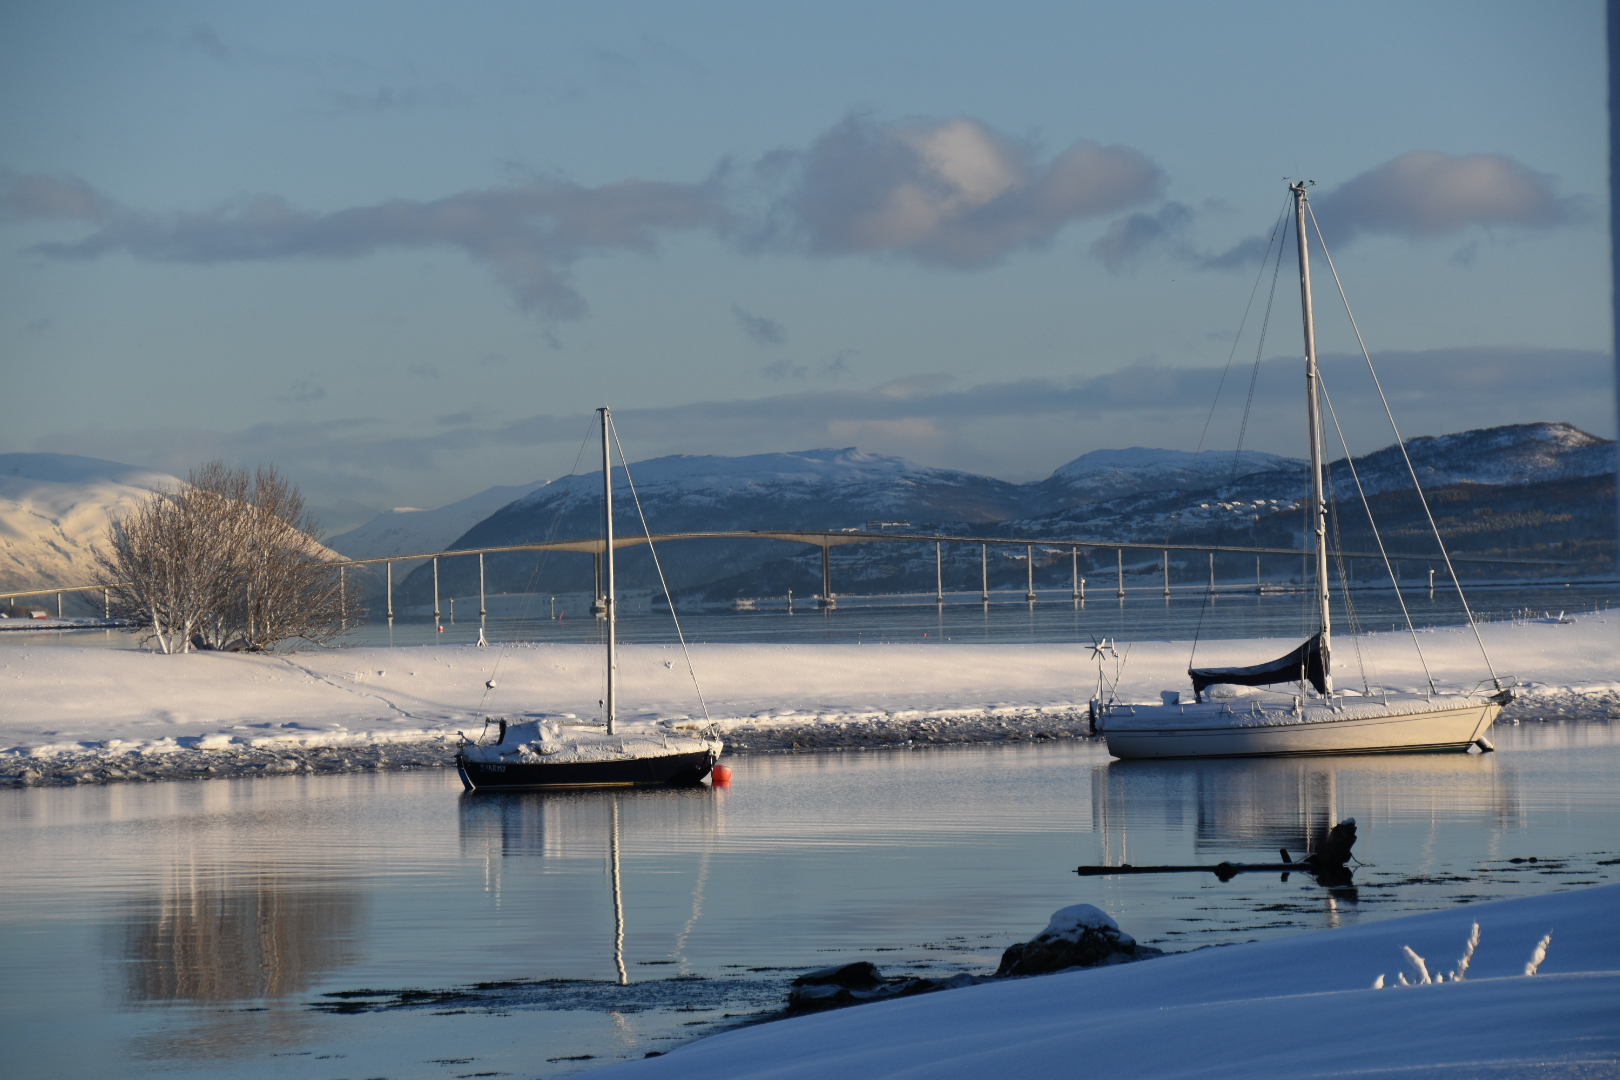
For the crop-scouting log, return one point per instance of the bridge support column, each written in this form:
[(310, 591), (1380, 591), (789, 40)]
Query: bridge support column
[(984, 573), (1212, 573), (1029, 567), (828, 600), (1074, 573), (1121, 553), (390, 567), (939, 574), (435, 589), (1167, 575), (481, 611)]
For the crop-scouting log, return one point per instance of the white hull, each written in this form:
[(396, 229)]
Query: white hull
[(1162, 731)]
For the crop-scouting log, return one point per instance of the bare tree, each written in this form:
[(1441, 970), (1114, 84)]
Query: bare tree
[(229, 561)]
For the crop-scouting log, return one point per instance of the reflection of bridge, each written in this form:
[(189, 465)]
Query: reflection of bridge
[(828, 540)]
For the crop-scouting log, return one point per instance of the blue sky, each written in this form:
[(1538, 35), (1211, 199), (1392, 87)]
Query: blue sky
[(403, 249)]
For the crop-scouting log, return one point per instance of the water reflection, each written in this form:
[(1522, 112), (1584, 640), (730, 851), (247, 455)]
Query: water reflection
[(1247, 807), (214, 934), (495, 825)]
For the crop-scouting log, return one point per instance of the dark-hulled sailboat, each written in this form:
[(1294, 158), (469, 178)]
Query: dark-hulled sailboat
[(567, 754)]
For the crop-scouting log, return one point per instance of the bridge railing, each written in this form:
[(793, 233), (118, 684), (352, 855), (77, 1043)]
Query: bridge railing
[(826, 540)]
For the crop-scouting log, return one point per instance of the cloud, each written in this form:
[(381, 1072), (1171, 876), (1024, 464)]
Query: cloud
[(528, 234), (1422, 195), (952, 192), (784, 369), (760, 330), (388, 99), (303, 392), (1425, 194), (1127, 238), (1019, 428)]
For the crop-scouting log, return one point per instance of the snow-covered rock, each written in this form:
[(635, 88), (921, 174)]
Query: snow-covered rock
[(1077, 936)]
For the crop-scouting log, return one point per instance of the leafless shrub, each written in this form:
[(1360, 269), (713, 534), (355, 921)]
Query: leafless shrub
[(229, 561)]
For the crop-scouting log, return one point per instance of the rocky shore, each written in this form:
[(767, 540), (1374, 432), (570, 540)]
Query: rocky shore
[(113, 765)]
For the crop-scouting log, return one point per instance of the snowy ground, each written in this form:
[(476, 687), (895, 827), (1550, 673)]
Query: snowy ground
[(1296, 1007), (86, 714)]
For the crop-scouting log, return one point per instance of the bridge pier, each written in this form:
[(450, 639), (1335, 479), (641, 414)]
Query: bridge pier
[(481, 611), (1029, 587), (984, 573), (435, 588), (939, 574), (1121, 553), (828, 600)]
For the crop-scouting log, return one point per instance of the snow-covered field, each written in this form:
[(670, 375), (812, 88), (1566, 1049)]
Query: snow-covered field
[(1297, 1007), (64, 702)]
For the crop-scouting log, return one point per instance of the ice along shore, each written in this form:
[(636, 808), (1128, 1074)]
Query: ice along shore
[(88, 715)]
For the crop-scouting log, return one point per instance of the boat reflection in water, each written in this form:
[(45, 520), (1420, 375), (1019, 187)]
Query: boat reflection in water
[(580, 824), (1244, 810)]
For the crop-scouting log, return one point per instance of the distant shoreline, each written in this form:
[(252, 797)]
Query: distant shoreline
[(96, 767)]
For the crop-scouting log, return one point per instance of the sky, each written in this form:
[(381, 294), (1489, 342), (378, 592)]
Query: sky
[(402, 250)]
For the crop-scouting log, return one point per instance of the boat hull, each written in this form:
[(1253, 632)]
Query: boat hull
[(669, 770), (1449, 729)]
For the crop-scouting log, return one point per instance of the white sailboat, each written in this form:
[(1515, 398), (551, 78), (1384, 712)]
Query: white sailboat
[(560, 754), (1232, 715)]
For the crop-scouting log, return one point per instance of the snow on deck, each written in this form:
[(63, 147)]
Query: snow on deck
[(67, 700)]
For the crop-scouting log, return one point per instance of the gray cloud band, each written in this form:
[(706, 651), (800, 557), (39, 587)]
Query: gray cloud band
[(953, 192), (1448, 388)]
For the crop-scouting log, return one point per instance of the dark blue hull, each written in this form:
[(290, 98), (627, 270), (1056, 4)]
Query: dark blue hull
[(668, 769)]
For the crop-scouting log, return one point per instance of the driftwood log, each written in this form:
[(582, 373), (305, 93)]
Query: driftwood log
[(1328, 865)]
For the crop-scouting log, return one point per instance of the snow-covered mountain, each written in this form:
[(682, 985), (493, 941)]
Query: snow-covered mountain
[(1110, 474), (1512, 454), (55, 507), (406, 530), (812, 489)]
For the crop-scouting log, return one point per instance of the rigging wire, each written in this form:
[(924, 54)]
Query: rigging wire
[(1344, 578), (1377, 537), (1248, 405), (690, 670), (539, 565), (1444, 554)]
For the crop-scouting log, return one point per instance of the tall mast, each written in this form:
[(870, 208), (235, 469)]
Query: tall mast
[(1314, 417), (609, 602)]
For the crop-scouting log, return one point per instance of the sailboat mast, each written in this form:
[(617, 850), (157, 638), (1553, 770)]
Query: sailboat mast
[(1314, 417), (609, 603)]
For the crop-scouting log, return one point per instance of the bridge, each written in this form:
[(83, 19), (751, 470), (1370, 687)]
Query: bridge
[(829, 539)]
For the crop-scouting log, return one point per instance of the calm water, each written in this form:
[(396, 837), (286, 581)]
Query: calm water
[(185, 929), (1055, 618)]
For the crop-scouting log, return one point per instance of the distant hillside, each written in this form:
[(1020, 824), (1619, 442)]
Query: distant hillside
[(406, 530), (1137, 494), (55, 507), (1109, 474), (812, 489)]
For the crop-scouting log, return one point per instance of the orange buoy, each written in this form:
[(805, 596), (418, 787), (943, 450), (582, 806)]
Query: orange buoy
[(722, 775)]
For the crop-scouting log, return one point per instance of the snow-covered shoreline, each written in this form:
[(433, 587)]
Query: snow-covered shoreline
[(84, 715), (1301, 1006)]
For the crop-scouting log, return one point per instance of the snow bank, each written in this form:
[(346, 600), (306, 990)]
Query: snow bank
[(69, 700), (1296, 1007)]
